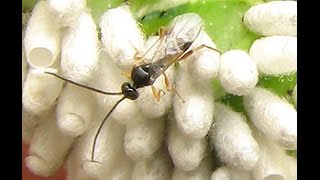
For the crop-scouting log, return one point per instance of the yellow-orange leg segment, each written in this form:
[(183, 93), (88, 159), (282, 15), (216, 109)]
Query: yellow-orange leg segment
[(190, 52), (172, 88), (157, 93)]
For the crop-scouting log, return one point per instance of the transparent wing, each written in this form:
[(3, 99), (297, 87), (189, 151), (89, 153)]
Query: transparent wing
[(185, 27), (181, 33)]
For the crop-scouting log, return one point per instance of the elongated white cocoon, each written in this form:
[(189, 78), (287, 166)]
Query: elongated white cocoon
[(203, 171), (291, 166), (73, 165), (74, 110), (194, 116), (274, 117), (238, 73), (273, 18), (25, 66), (122, 169), (127, 113), (186, 153), (79, 54), (108, 149), (272, 164), (68, 11), (227, 173), (275, 55), (43, 37), (40, 91), (48, 148), (144, 139), (29, 123), (222, 173), (158, 167), (203, 65), (294, 95), (232, 139), (121, 45)]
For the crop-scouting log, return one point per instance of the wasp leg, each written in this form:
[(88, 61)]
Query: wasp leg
[(162, 32), (157, 93), (190, 52), (137, 56), (172, 88)]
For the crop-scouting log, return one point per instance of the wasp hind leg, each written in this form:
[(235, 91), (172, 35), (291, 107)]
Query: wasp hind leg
[(172, 88), (190, 52)]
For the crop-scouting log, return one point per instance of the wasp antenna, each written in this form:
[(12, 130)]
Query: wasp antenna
[(80, 85), (101, 125)]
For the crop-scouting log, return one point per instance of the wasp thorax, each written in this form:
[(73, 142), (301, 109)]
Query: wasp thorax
[(141, 76), (129, 91)]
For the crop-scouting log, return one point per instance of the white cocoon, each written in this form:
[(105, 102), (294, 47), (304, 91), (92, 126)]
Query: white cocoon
[(73, 165), (43, 37), (203, 171), (148, 105), (227, 173), (144, 139), (238, 73), (68, 11), (273, 18), (79, 53), (40, 91), (122, 169), (25, 66), (186, 153), (291, 166), (273, 116), (48, 148), (158, 167), (203, 65), (294, 95), (194, 116), (108, 150), (127, 113), (29, 122), (275, 55), (121, 36), (232, 139), (272, 164), (75, 110)]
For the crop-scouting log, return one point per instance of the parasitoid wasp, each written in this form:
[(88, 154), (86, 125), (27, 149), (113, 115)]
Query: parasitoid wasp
[(174, 45)]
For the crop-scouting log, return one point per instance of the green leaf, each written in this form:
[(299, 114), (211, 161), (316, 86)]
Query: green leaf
[(282, 85), (27, 5), (222, 19)]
